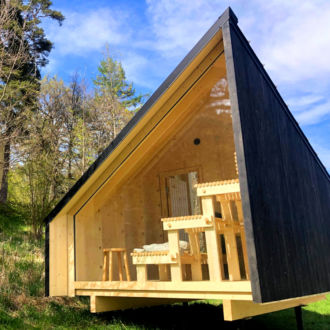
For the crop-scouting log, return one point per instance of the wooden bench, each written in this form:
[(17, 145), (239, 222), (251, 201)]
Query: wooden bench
[(161, 259)]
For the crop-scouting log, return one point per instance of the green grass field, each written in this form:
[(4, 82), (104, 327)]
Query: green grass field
[(23, 305)]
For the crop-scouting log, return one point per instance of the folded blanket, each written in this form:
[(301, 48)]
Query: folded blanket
[(161, 247)]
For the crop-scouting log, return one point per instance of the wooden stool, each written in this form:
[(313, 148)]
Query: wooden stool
[(108, 264)]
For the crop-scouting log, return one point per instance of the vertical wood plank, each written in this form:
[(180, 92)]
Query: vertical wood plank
[(174, 249), (163, 272), (105, 265), (120, 266), (71, 256), (58, 257), (196, 267), (212, 242), (141, 273), (128, 276), (232, 255), (110, 265)]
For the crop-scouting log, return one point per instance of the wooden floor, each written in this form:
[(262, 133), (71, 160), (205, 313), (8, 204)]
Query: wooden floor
[(236, 296), (240, 290)]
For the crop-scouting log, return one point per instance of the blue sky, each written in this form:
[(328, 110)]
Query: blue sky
[(291, 38)]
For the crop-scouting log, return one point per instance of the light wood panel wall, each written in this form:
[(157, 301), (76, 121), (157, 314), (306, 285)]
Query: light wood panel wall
[(131, 214), (88, 238), (58, 257)]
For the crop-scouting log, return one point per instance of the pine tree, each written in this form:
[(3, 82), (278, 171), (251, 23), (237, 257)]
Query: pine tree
[(115, 102), (111, 81), (23, 51)]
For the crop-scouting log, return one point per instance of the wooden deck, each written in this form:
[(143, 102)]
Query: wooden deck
[(233, 290)]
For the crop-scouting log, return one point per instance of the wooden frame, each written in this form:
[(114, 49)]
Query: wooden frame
[(162, 178)]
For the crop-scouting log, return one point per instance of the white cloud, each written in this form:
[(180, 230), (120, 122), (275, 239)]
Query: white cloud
[(323, 153), (314, 115), (294, 38), (178, 25), (291, 38), (82, 33), (310, 109), (299, 102), (135, 66), (51, 67)]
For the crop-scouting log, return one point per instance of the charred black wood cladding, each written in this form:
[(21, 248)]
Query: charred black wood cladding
[(287, 195)]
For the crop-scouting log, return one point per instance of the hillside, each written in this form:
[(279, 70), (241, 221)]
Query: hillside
[(23, 305)]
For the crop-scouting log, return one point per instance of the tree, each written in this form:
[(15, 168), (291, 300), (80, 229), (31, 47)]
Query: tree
[(23, 51), (56, 151), (44, 154), (115, 102)]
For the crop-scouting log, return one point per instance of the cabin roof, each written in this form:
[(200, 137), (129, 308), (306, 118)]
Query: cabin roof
[(228, 14)]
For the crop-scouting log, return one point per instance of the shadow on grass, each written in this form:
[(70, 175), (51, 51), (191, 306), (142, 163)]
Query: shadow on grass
[(208, 316)]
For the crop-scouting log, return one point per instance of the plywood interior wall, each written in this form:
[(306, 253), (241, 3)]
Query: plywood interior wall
[(88, 241), (131, 215)]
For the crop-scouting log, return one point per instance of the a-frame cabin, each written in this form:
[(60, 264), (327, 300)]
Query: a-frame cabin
[(211, 191)]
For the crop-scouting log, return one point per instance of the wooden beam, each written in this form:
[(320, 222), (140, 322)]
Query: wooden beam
[(173, 244), (235, 309), (151, 258), (218, 187), (212, 243), (196, 266), (187, 222), (232, 255), (167, 294), (197, 286), (100, 304)]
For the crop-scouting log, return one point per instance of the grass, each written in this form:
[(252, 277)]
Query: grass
[(23, 305)]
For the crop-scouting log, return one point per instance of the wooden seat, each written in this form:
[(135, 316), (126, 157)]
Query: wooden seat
[(161, 259), (175, 257), (108, 264)]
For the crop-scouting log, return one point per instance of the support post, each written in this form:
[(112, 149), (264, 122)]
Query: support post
[(212, 242), (299, 319), (174, 250), (196, 266)]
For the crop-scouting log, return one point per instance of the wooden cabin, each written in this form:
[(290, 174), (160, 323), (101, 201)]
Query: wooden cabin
[(211, 191)]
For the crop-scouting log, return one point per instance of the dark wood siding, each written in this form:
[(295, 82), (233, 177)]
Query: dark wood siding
[(286, 188)]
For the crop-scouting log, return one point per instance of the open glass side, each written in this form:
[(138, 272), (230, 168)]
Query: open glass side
[(178, 217)]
